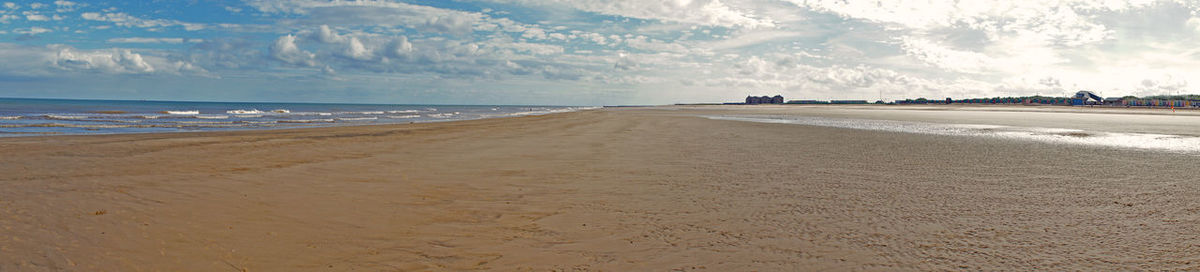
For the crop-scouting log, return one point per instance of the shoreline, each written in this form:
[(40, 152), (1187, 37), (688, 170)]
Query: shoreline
[(959, 107), (334, 125)]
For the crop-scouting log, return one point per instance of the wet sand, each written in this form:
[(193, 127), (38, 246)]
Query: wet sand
[(614, 189)]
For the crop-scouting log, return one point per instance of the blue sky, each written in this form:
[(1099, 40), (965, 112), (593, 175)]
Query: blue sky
[(592, 52)]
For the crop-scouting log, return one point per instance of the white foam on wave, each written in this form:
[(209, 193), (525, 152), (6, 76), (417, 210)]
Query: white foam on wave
[(541, 111), (65, 117), (1165, 142), (356, 118), (187, 112), (254, 122), (442, 115), (307, 121), (103, 126), (31, 125), (256, 111), (361, 112), (312, 113), (255, 118), (62, 125), (204, 122), (113, 121), (249, 111)]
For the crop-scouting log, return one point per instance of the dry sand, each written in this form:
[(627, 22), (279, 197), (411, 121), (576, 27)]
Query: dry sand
[(614, 189)]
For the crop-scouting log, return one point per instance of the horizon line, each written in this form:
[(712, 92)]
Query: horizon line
[(286, 102)]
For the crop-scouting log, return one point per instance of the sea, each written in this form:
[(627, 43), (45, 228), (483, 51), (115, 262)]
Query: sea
[(30, 117)]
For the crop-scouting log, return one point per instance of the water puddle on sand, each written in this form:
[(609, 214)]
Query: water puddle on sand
[(1158, 142)]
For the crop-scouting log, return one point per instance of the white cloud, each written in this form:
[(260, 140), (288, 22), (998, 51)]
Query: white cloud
[(33, 16), (115, 61), (153, 40), (66, 6), (648, 44), (751, 38), (531, 48), (534, 33), (325, 35), (595, 38), (374, 12), (949, 59), (1059, 22), (803, 48), (704, 12), (1193, 23), (352, 52), (125, 20), (625, 62), (356, 50), (34, 30), (401, 47), (1163, 84), (1017, 47), (455, 23), (105, 61), (305, 6), (284, 49)]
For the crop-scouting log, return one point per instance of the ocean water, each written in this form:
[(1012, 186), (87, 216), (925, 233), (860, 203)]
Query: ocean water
[(1183, 144), (25, 117)]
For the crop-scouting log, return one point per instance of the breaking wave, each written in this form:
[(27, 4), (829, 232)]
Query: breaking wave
[(207, 116), (188, 112), (307, 121)]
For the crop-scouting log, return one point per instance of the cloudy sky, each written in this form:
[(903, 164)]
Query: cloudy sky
[(590, 52)]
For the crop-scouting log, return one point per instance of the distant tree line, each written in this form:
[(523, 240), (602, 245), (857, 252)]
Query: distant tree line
[(1169, 97), (1034, 97)]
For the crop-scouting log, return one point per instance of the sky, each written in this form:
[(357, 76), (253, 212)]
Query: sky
[(593, 52)]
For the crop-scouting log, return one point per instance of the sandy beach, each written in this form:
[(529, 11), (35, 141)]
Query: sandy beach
[(616, 189)]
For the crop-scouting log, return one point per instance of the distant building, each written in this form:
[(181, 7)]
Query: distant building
[(753, 100), (1086, 98), (1114, 101), (847, 102)]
